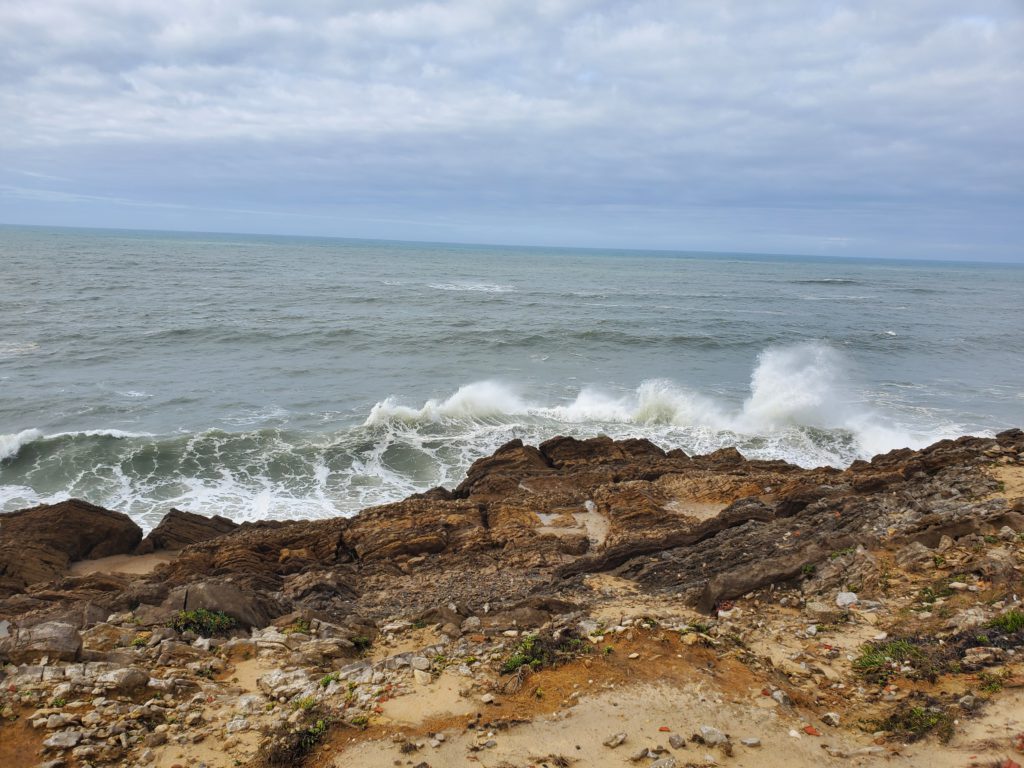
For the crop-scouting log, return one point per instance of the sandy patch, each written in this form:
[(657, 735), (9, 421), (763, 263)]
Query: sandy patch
[(441, 698), (135, 565), (1012, 478)]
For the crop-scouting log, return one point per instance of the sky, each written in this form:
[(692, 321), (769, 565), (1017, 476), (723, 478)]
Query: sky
[(874, 128)]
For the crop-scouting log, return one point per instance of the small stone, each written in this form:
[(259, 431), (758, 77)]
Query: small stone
[(782, 698), (831, 718), (633, 656), (419, 662), (676, 741), (614, 740), (487, 698), (846, 599), (712, 736), (665, 762), (421, 677), (967, 702), (752, 742), (636, 757), (958, 586)]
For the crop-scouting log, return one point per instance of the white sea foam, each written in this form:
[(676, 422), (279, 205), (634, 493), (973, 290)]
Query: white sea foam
[(12, 443), (792, 389), (473, 286)]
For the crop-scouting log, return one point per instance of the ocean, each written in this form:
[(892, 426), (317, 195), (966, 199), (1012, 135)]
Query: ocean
[(278, 377)]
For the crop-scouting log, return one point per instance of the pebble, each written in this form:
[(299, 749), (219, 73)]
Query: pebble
[(782, 698), (676, 741), (487, 698), (752, 742), (831, 718)]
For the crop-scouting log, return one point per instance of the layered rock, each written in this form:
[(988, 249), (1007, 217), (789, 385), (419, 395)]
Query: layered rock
[(38, 545)]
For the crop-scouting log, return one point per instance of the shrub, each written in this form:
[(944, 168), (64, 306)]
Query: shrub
[(203, 622)]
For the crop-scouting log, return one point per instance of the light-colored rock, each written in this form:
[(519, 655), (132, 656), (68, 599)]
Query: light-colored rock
[(712, 736), (846, 599), (63, 739), (615, 740)]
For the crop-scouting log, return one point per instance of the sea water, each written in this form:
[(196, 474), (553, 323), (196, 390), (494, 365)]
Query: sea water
[(277, 377)]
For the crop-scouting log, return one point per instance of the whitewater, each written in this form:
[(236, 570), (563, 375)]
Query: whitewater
[(277, 378)]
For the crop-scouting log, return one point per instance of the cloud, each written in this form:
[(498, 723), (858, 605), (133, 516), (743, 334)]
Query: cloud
[(678, 124)]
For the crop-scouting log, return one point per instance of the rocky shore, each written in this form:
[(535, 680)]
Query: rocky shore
[(591, 603)]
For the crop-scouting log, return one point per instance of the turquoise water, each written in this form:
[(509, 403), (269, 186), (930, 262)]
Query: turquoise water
[(273, 377)]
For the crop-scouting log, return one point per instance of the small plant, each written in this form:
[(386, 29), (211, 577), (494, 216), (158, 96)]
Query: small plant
[(808, 570), (842, 553), (362, 643), (527, 652), (608, 650), (139, 641), (913, 723), (939, 561), (298, 626), (1009, 622), (990, 539), (990, 682), (306, 703), (878, 661), (58, 703), (360, 721), (326, 680), (203, 622)]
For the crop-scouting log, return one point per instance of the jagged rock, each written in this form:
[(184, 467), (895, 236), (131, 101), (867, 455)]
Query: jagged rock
[(179, 529), (38, 545)]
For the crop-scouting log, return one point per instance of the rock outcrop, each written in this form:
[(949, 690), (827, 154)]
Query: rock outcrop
[(540, 555), (37, 545), (179, 529)]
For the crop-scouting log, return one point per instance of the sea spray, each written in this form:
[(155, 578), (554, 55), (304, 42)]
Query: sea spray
[(802, 407)]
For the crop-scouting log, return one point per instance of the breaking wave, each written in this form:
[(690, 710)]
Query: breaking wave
[(800, 407)]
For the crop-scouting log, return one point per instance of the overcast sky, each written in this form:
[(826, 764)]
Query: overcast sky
[(873, 128)]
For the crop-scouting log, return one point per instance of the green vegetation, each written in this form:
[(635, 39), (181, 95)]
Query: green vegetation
[(139, 641), (58, 703), (362, 643), (306, 703), (808, 570), (536, 652), (990, 682), (299, 626), (326, 680), (913, 723), (842, 553), (360, 721), (203, 622), (878, 661), (1010, 622)]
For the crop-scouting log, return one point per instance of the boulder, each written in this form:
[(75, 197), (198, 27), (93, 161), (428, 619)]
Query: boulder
[(179, 529), (38, 544), (54, 639), (247, 608)]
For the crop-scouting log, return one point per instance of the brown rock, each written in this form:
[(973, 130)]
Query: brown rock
[(38, 544), (179, 529)]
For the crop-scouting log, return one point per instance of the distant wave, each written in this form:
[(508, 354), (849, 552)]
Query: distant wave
[(473, 286), (827, 281)]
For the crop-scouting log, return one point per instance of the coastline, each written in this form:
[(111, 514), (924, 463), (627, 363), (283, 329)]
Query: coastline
[(561, 595)]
